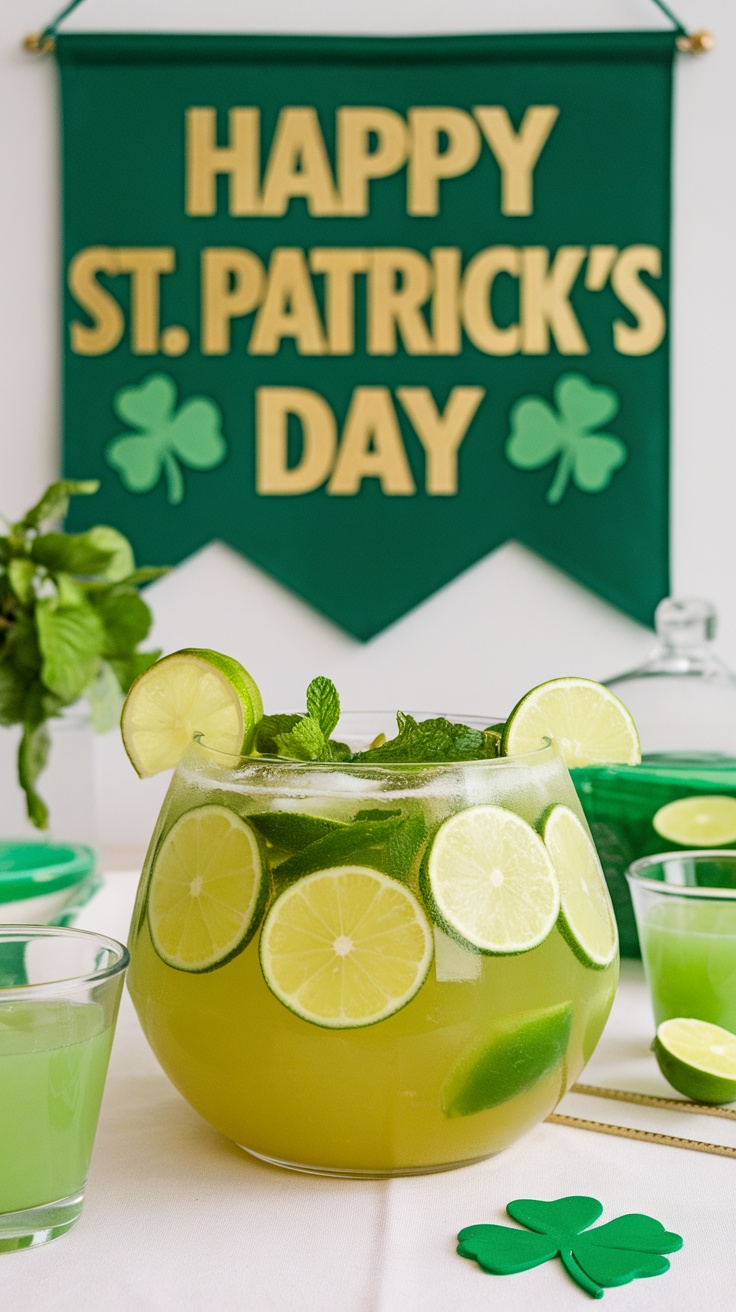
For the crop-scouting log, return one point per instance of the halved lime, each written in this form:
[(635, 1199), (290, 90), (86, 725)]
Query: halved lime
[(698, 1059), (345, 947), (193, 691), (490, 882), (208, 889), (708, 821), (587, 721), (515, 1056), (586, 916)]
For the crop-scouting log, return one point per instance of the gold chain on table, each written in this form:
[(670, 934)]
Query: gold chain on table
[(648, 1100), (644, 1136)]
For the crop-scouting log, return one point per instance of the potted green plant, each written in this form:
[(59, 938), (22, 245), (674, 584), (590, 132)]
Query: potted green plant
[(71, 623)]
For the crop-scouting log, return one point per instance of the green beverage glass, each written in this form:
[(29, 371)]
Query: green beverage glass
[(685, 906), (59, 1000)]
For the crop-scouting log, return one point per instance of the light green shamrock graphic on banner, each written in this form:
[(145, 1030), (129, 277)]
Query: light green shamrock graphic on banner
[(190, 434), (540, 434)]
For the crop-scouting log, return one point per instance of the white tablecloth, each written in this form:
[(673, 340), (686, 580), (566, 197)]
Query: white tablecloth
[(179, 1220)]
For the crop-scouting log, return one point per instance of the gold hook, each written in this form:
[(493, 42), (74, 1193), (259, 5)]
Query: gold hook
[(36, 46), (697, 43)]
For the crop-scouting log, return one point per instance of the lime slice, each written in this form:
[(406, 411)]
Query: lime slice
[(587, 721), (515, 1056), (490, 881), (345, 947), (698, 1059), (698, 821), (194, 691), (208, 890), (586, 915)]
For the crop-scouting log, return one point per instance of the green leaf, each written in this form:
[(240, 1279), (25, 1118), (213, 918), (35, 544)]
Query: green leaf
[(323, 704), (70, 553), (428, 740), (305, 742), (291, 830), (125, 618), (105, 699), (33, 754), (609, 1255), (195, 434), (596, 460), (148, 405), (404, 844), (21, 573), (358, 843), (12, 695), (269, 728), (128, 668), (536, 434), (121, 564), (55, 501), (72, 640), (145, 574), (582, 405), (22, 650)]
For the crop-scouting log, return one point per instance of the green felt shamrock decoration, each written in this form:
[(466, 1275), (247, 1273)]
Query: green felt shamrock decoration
[(191, 433), (611, 1254), (539, 434)]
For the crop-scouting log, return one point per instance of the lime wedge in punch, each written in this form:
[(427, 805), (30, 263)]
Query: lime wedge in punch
[(587, 721), (490, 882), (515, 1056), (345, 947), (697, 1059), (193, 691), (586, 916), (708, 821), (208, 890)]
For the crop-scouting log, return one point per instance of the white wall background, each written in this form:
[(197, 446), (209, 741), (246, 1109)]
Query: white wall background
[(511, 620)]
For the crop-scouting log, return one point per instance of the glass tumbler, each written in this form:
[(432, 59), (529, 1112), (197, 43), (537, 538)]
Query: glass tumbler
[(59, 996), (685, 906)]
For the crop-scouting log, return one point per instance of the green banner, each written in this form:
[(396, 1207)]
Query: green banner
[(368, 308)]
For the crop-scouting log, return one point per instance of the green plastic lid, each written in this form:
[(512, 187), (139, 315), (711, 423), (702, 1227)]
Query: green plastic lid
[(33, 869)]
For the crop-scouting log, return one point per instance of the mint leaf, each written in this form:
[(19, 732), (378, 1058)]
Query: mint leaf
[(12, 696), (358, 843), (323, 704), (55, 501), (21, 573), (428, 740), (271, 726), (127, 668), (33, 754), (121, 562), (71, 639), (404, 845), (305, 742), (292, 830), (125, 619), (144, 574), (70, 553), (105, 699), (375, 813)]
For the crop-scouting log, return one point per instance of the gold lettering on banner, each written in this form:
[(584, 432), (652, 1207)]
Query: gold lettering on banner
[(517, 153), (635, 296), (428, 164), (358, 160), (399, 283), (145, 264), (289, 308), (477, 288), (371, 447), (299, 166), (339, 264), (445, 312), (441, 433), (108, 321), (274, 405), (233, 280), (545, 300), (240, 160)]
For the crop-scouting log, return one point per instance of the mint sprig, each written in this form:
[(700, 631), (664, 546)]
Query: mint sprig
[(71, 622)]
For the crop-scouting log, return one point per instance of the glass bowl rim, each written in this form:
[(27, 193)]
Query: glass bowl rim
[(636, 879), (548, 748), (57, 987)]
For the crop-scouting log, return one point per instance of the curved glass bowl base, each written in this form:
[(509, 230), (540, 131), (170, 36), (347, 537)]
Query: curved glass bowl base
[(346, 1173), (39, 1225)]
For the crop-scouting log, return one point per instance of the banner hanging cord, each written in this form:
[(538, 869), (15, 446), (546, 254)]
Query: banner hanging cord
[(693, 43)]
